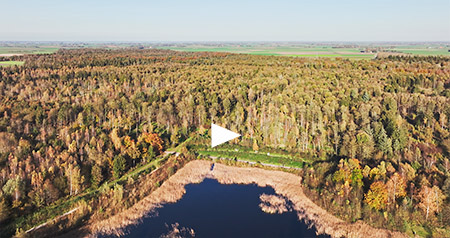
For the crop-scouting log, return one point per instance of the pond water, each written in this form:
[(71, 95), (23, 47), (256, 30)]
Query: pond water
[(211, 209)]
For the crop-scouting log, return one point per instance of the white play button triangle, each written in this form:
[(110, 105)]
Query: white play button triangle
[(221, 135)]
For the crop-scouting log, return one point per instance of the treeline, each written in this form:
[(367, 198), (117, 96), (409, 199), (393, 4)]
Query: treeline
[(77, 118)]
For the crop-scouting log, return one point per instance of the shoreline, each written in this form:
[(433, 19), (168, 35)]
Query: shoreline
[(285, 184)]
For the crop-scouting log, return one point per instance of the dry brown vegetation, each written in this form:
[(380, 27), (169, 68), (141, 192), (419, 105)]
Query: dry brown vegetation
[(179, 232), (285, 185), (273, 204)]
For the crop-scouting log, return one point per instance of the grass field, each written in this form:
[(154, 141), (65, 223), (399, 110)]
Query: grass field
[(253, 157), (246, 154), (28, 50), (292, 50), (327, 51), (9, 63), (349, 56), (423, 51), (296, 51)]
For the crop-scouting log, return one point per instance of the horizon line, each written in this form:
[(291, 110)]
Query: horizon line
[(220, 41)]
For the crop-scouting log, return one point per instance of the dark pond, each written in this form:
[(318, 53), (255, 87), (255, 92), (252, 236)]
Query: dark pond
[(212, 209)]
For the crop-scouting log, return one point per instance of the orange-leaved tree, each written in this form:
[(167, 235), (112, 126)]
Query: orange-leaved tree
[(150, 142), (377, 196)]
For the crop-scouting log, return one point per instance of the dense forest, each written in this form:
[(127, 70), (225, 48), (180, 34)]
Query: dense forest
[(376, 131)]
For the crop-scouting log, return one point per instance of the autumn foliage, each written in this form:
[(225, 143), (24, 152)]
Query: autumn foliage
[(374, 134), (377, 197), (153, 140)]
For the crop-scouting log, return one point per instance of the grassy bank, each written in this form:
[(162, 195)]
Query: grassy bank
[(253, 157), (242, 153)]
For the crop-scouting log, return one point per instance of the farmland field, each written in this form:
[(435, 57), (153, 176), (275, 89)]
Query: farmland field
[(424, 51), (331, 50), (296, 51), (8, 63), (311, 50), (8, 50)]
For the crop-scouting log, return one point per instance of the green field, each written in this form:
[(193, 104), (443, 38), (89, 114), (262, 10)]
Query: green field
[(10, 63), (252, 157), (349, 56), (28, 50), (291, 50), (327, 51), (296, 51), (245, 154), (423, 51)]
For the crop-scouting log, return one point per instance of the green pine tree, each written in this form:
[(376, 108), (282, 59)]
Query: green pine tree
[(119, 166)]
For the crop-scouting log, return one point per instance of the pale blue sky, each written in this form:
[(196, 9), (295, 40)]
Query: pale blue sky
[(231, 20)]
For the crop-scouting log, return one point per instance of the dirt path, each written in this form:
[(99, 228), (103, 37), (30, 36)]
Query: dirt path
[(54, 219)]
